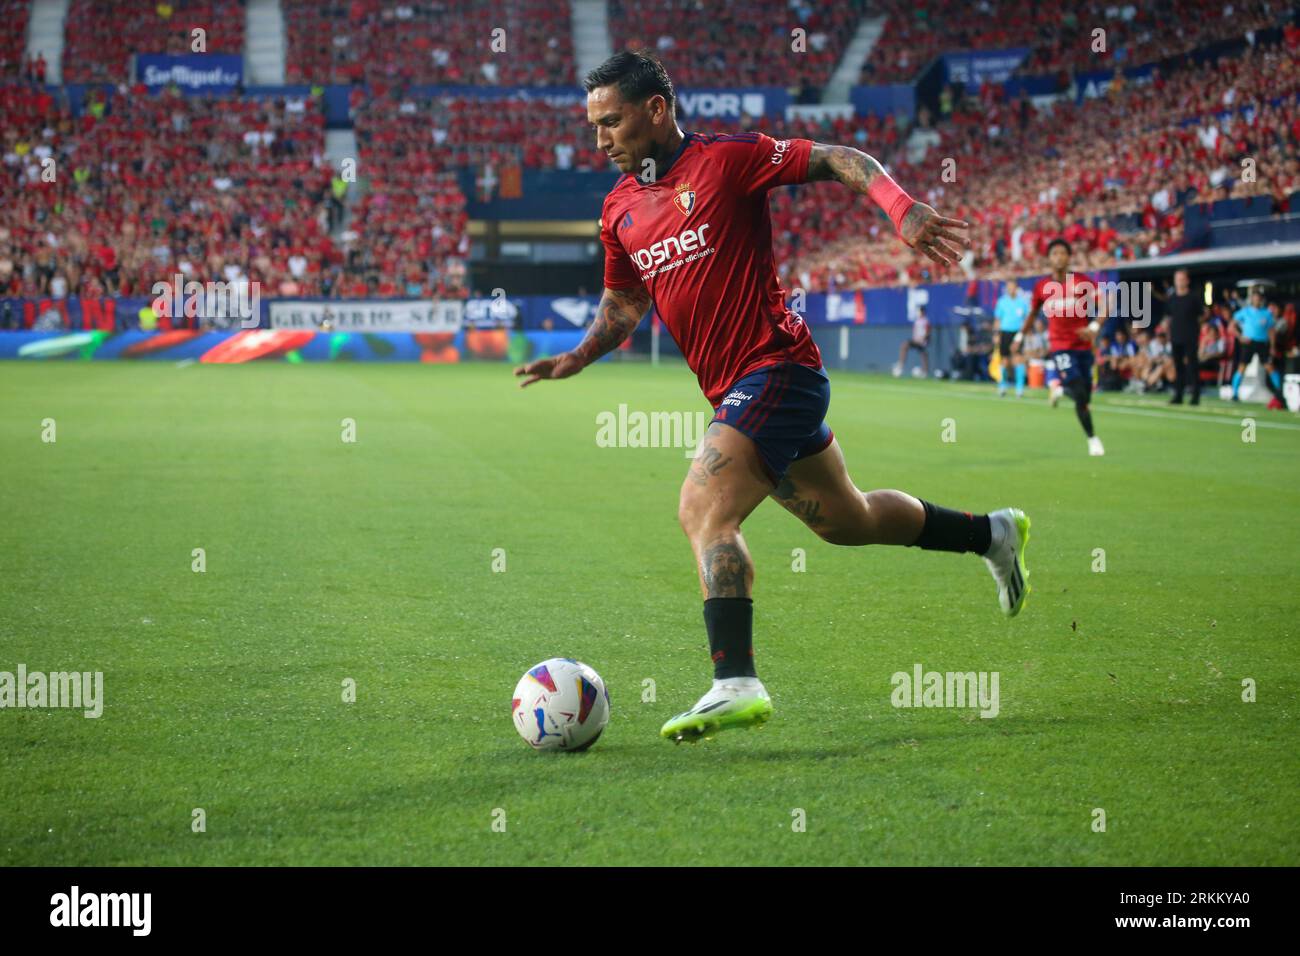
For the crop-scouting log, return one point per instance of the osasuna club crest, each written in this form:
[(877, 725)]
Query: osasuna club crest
[(685, 198)]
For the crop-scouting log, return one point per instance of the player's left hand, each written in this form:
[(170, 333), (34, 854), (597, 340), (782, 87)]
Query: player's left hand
[(553, 367), (926, 231)]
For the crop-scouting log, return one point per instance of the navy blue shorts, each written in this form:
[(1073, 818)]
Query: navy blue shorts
[(782, 409), (1073, 364)]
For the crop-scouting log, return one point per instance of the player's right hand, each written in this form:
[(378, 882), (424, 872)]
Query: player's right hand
[(556, 366), (926, 231)]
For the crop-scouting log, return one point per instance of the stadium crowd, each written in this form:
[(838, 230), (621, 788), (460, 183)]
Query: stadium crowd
[(100, 36), (239, 186), (14, 61), (1024, 176), (473, 42), (733, 43), (1059, 33), (116, 200)]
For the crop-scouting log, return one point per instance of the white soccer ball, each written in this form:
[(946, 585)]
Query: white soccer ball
[(561, 704)]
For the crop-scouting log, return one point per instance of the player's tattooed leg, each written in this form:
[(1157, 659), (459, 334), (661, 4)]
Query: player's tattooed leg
[(724, 484), (725, 568), (710, 460), (800, 502)]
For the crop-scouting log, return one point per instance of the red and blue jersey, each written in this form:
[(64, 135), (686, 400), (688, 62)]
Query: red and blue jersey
[(1068, 307), (699, 238)]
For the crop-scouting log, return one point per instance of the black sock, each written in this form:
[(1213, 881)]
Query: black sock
[(1085, 417), (948, 530), (730, 622)]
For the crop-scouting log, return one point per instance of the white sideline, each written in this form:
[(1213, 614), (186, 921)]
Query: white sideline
[(1108, 407)]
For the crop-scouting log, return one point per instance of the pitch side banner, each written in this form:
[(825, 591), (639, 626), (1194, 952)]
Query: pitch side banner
[(996, 66), (382, 315), (192, 72)]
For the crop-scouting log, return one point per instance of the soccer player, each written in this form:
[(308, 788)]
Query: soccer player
[(1011, 309), (920, 341), (688, 229), (1255, 336), (1068, 300)]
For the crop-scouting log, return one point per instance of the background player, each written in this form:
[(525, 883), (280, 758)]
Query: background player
[(691, 230), (1011, 311), (920, 341), (1074, 313)]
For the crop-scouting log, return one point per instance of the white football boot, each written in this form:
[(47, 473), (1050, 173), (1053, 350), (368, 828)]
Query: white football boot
[(1095, 447), (731, 702), (1006, 558)]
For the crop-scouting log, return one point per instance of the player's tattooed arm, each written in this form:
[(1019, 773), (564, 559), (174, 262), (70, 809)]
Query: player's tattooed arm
[(920, 226), (844, 164), (617, 315)]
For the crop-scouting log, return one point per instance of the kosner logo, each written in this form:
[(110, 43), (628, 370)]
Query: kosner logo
[(102, 909), (219, 303), (665, 249), (1130, 301)]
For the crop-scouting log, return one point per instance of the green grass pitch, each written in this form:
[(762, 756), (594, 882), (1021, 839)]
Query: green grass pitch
[(326, 560)]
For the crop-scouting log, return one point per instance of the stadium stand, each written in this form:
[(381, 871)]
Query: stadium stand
[(738, 42), (418, 245), (1059, 32), (253, 197), (13, 14), (100, 36), (443, 41), (133, 207), (1024, 177)]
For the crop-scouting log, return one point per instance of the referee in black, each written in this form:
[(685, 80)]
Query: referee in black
[(1186, 312)]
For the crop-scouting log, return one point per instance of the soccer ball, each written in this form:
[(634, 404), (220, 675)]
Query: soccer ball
[(561, 704)]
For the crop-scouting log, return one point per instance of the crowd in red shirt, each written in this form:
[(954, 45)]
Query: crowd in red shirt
[(101, 35), (431, 42), (1113, 176), (236, 187), (411, 221), (733, 43), (13, 38), (214, 189), (1060, 32)]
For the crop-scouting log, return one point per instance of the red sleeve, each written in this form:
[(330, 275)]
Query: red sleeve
[(1036, 300), (620, 273), (759, 164)]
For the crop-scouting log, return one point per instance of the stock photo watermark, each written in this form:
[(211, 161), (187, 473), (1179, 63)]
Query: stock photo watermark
[(961, 689), (37, 690), (630, 428)]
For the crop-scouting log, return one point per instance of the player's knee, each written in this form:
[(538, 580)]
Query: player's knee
[(688, 513), (697, 513)]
